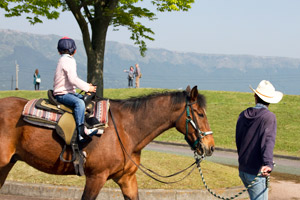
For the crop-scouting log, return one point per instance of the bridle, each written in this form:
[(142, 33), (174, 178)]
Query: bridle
[(200, 134)]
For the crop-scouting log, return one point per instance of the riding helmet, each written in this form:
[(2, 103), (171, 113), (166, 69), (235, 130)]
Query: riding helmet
[(66, 45)]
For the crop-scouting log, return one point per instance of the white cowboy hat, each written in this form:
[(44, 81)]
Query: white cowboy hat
[(266, 91)]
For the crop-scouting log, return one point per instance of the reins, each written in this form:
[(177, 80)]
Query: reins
[(144, 169)]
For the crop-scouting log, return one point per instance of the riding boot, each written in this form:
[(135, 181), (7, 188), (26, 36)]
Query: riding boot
[(82, 137)]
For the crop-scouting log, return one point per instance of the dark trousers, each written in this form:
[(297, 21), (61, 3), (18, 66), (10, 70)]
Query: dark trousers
[(130, 82), (37, 86)]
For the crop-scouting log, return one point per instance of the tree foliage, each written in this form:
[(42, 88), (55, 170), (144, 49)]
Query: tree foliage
[(33, 9), (94, 17), (124, 14)]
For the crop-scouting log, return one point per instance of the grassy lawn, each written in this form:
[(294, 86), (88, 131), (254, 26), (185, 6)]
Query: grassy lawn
[(216, 175), (223, 109)]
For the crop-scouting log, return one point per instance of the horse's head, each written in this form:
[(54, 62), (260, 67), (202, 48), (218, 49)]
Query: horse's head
[(194, 124)]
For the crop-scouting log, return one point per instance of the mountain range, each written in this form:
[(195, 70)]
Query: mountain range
[(161, 68)]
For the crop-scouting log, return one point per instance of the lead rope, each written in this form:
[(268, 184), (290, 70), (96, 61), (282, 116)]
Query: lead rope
[(235, 196)]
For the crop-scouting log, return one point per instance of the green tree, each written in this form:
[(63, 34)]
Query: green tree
[(94, 17)]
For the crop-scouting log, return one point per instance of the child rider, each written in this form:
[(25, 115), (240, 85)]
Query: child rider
[(66, 81)]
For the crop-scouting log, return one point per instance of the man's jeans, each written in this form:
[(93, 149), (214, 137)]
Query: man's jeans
[(259, 190), (75, 101)]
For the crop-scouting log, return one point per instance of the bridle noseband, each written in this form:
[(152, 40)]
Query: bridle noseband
[(200, 134)]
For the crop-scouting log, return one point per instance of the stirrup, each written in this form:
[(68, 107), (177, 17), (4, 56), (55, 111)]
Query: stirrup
[(78, 165), (79, 161)]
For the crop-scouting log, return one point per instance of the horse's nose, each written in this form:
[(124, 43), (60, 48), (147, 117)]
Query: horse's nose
[(212, 149)]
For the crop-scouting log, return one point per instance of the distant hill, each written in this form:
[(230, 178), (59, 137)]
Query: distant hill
[(161, 68)]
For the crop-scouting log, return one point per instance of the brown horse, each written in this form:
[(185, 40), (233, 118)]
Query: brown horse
[(138, 122)]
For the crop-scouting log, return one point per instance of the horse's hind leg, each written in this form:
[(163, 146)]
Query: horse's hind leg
[(4, 172)]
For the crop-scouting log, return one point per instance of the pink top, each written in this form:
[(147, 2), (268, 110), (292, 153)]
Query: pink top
[(66, 79)]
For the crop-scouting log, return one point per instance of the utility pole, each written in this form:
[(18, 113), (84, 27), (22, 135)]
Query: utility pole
[(17, 76), (12, 82)]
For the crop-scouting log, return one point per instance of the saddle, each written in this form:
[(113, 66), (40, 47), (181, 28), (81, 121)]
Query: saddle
[(51, 114)]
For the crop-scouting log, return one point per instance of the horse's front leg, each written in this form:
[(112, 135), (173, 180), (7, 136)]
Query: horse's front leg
[(93, 185), (128, 185), (4, 172), (7, 151)]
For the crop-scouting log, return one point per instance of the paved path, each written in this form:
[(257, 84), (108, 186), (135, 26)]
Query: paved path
[(18, 197), (284, 190), (289, 165)]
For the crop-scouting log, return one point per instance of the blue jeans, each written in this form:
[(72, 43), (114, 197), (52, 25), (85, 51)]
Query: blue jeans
[(259, 190), (75, 101)]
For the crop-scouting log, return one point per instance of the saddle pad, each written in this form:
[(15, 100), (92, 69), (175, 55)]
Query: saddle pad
[(31, 111), (101, 111)]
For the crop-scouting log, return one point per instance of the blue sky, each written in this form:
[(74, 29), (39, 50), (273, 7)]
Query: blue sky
[(252, 27)]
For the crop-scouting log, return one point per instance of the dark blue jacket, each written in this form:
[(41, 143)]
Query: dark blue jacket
[(255, 139)]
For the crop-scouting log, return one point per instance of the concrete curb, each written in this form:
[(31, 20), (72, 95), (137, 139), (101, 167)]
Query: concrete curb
[(66, 192)]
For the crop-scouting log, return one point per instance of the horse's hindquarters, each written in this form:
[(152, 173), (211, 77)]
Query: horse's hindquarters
[(38, 147)]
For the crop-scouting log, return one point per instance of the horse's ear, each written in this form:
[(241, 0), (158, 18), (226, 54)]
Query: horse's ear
[(188, 90), (194, 93)]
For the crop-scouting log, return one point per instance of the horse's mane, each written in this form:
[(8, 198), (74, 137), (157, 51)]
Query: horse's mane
[(177, 97)]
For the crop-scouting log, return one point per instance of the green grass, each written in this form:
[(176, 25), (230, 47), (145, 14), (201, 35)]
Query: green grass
[(162, 163), (27, 94), (223, 109)]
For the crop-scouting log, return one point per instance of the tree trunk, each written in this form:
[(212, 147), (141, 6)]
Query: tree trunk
[(95, 69), (99, 25), (95, 45), (95, 58)]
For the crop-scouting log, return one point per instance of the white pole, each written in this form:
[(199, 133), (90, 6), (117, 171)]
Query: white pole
[(17, 77)]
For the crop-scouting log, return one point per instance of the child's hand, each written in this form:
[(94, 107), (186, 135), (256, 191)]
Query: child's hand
[(92, 88)]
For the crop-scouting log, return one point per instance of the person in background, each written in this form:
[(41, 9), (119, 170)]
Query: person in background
[(255, 140), (66, 81), (130, 76), (138, 75), (36, 80)]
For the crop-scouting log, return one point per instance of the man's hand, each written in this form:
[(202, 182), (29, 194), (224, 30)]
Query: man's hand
[(265, 170)]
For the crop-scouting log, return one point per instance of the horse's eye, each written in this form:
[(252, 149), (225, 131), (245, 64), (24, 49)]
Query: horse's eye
[(201, 115)]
